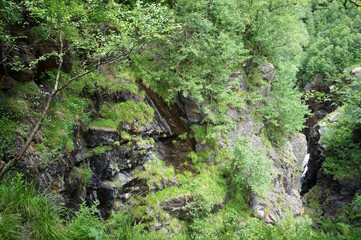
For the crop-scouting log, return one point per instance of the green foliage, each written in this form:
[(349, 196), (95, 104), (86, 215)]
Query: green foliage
[(86, 225), (287, 228), (199, 58), (97, 151), (102, 29), (232, 226), (26, 214), (335, 35), (121, 227), (215, 42), (283, 114), (343, 159), (356, 208), (10, 13), (249, 168)]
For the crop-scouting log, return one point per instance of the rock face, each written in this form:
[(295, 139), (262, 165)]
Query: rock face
[(332, 194), (111, 158), (115, 158), (285, 194), (287, 163), (268, 71)]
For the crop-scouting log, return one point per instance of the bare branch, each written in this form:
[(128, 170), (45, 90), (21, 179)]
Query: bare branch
[(356, 3), (119, 58)]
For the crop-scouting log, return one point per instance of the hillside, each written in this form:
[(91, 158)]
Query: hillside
[(180, 119)]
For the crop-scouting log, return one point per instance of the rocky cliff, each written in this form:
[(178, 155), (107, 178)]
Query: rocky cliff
[(122, 147), (146, 149), (332, 193)]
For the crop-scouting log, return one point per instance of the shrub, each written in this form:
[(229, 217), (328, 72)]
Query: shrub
[(250, 167), (341, 138)]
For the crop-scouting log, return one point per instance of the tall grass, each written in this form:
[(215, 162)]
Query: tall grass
[(27, 214)]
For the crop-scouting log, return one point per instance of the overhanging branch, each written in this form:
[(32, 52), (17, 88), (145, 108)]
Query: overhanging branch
[(355, 2)]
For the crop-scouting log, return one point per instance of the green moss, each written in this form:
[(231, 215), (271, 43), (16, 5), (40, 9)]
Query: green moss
[(64, 115), (113, 184), (112, 115), (15, 107), (7, 136), (111, 80), (255, 79), (116, 144), (46, 154), (183, 136), (84, 173), (97, 150), (105, 123), (29, 89), (126, 136), (208, 184), (139, 212), (155, 172)]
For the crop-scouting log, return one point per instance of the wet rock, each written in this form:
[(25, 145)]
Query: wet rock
[(179, 207), (135, 187), (101, 136), (122, 96), (24, 75), (124, 157), (106, 193), (79, 152), (174, 152), (334, 117), (122, 177), (67, 63), (7, 82), (287, 165), (331, 192), (257, 207), (192, 109)]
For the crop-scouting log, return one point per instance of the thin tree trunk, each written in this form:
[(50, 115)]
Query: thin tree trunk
[(18, 156), (4, 168)]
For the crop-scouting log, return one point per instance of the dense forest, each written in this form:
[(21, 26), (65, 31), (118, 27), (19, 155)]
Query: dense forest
[(180, 119)]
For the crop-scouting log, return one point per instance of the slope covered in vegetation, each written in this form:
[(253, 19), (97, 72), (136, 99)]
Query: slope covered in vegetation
[(177, 119)]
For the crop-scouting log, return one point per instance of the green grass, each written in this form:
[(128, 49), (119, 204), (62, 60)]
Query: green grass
[(208, 186), (113, 115), (27, 89), (97, 150), (64, 115), (155, 172), (35, 216), (113, 80), (16, 107), (105, 123), (26, 214), (84, 173)]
